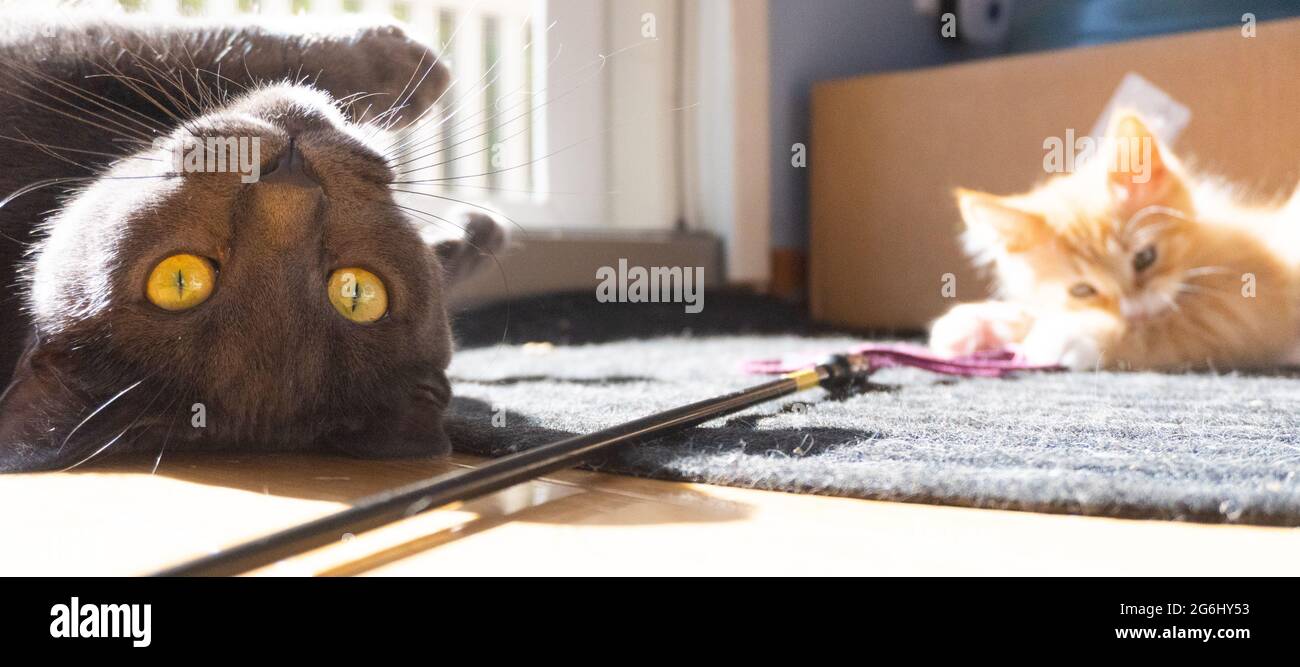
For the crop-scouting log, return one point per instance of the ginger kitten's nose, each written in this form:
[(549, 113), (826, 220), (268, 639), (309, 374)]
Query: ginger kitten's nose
[(291, 169)]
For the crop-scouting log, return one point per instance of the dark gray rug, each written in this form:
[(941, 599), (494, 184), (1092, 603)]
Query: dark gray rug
[(1216, 448)]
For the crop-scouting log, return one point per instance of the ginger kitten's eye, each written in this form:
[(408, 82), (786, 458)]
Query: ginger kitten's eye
[(358, 295), (181, 282), (1083, 291), (1144, 259)]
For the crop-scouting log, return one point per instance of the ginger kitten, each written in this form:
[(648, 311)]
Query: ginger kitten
[(1131, 264)]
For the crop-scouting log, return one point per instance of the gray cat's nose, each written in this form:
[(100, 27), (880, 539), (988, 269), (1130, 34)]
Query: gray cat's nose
[(291, 169), (284, 204)]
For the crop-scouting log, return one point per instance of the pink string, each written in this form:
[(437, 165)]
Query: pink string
[(990, 363)]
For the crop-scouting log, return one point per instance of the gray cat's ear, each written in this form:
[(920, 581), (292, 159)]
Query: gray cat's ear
[(483, 238)]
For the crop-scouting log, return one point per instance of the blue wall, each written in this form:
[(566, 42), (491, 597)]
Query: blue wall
[(815, 40), (1052, 24)]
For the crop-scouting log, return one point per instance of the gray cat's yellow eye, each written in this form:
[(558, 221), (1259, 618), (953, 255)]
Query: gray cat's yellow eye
[(1083, 291), (181, 282), (1144, 259), (358, 295)]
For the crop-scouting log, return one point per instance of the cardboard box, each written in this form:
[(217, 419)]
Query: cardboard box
[(887, 151)]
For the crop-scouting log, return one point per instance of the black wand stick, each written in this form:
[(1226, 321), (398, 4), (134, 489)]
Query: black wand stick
[(391, 506)]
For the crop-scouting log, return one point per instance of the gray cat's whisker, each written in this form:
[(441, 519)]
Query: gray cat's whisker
[(96, 411), (599, 62), (406, 131), (470, 96), (185, 106), (124, 130), (152, 126), (167, 437), (525, 129), (562, 193), (176, 77), (97, 451), (193, 106), (403, 98), (533, 161), (521, 91), (221, 77), (470, 100), (496, 261), (124, 431), (32, 187), (486, 251), (441, 50), (460, 157), (439, 219), (41, 144), (48, 151), (479, 84), (440, 138), (480, 207), (348, 101), (110, 130), (135, 85), (205, 94), (206, 97)]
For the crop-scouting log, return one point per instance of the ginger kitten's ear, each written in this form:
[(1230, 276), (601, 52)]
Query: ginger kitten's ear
[(1141, 171), (991, 221)]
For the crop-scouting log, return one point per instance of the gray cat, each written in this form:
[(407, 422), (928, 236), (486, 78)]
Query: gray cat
[(159, 299)]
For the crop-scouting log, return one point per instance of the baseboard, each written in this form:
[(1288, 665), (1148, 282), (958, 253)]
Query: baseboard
[(568, 261)]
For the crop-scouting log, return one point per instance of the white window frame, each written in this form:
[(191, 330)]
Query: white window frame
[(554, 175)]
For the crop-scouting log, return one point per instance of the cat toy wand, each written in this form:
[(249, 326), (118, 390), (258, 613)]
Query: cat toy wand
[(835, 372)]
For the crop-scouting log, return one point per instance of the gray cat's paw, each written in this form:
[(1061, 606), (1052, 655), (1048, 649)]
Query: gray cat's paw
[(405, 64), (483, 238), (384, 73), (484, 233)]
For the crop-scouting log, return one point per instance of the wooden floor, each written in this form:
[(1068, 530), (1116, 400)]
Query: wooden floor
[(126, 520)]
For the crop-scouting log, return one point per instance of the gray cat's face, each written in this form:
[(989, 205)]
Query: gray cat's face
[(299, 309)]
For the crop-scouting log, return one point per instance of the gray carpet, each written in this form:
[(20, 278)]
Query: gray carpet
[(1215, 448)]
